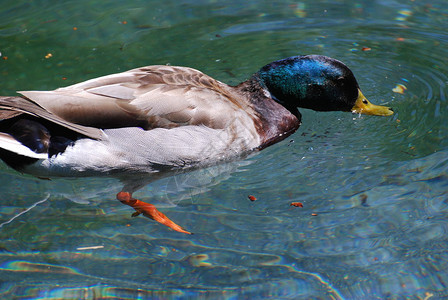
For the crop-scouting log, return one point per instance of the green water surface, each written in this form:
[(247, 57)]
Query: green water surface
[(374, 189)]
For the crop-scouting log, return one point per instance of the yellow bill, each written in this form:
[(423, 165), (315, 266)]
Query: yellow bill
[(363, 106)]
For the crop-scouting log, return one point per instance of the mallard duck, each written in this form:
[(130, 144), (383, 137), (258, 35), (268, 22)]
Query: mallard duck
[(157, 119)]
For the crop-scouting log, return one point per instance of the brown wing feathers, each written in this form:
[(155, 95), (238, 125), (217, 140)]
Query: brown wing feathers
[(14, 106), (148, 97)]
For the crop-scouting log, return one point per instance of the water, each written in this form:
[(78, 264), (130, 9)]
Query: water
[(379, 186)]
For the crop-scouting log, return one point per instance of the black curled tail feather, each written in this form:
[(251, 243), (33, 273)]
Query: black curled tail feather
[(31, 134), (25, 125)]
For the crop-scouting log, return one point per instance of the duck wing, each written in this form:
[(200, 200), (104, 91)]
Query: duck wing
[(148, 97), (14, 106)]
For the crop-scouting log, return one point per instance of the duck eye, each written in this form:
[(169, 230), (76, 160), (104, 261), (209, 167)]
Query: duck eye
[(365, 101), (340, 81)]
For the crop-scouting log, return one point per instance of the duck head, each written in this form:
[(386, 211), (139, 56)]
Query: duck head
[(316, 82)]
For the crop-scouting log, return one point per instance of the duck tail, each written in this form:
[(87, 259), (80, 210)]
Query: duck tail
[(11, 107), (15, 154), (22, 141)]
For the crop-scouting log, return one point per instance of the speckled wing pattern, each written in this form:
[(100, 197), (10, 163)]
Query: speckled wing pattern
[(148, 97)]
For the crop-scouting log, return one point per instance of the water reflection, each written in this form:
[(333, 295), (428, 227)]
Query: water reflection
[(378, 187)]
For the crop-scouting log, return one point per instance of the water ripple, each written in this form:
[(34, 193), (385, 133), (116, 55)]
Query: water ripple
[(373, 190)]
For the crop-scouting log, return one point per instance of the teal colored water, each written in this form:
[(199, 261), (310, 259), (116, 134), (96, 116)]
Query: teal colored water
[(374, 189)]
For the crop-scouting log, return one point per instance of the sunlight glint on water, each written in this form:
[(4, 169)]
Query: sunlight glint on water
[(374, 190)]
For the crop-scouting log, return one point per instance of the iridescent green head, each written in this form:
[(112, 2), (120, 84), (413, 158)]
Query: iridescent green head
[(316, 82)]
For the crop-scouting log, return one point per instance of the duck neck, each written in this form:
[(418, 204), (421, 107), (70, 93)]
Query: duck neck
[(274, 121)]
